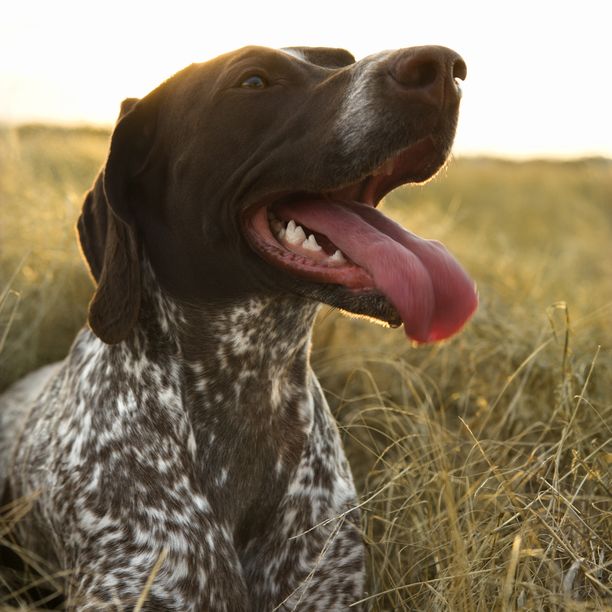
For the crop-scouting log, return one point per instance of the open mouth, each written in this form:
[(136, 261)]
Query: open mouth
[(338, 237)]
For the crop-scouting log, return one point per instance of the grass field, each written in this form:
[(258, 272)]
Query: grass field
[(484, 464)]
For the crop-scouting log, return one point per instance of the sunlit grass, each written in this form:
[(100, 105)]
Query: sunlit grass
[(464, 456), (483, 463)]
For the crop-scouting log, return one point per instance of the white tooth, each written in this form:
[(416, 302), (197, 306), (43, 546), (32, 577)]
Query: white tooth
[(337, 257), (290, 231), (297, 236), (278, 228), (311, 244)]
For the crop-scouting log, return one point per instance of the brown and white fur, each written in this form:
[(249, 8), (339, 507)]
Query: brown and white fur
[(184, 447)]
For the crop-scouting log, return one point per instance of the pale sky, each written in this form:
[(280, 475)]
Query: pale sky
[(539, 72)]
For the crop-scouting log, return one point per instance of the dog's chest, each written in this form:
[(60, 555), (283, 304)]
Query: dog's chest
[(252, 423)]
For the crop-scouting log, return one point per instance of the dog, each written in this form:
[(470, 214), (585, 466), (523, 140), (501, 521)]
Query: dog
[(183, 456)]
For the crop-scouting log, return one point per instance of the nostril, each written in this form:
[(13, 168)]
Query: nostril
[(459, 69), (415, 72), (421, 74), (428, 75)]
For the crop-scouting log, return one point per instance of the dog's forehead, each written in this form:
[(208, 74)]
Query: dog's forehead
[(326, 57)]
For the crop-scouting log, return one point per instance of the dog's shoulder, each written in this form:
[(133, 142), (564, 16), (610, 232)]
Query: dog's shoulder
[(15, 405)]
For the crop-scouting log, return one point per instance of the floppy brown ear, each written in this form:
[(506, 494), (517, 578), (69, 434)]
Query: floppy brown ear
[(107, 230)]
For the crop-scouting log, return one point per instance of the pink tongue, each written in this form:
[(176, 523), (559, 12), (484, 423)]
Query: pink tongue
[(432, 293)]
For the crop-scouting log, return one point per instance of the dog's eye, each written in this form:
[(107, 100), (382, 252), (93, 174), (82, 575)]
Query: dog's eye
[(255, 81)]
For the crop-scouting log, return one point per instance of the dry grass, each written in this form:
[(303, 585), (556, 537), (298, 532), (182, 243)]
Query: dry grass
[(490, 490), (484, 463)]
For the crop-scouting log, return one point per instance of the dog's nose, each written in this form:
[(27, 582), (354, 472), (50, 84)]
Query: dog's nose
[(429, 75)]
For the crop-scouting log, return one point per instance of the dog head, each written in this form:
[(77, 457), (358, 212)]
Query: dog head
[(260, 172)]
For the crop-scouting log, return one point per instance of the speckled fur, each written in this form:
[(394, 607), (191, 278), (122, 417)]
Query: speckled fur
[(145, 444), (183, 455)]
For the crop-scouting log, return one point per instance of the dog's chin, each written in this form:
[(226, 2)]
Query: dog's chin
[(368, 305)]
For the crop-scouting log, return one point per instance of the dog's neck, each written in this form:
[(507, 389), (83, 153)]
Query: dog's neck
[(230, 384), (240, 373), (253, 351)]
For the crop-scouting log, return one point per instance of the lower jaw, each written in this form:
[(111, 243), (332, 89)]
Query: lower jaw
[(369, 304)]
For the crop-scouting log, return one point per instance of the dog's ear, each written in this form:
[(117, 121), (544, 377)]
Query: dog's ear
[(107, 230), (325, 56)]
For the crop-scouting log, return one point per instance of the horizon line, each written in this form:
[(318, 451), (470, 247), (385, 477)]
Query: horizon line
[(461, 152)]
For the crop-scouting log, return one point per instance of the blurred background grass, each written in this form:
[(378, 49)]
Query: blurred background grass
[(483, 463)]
